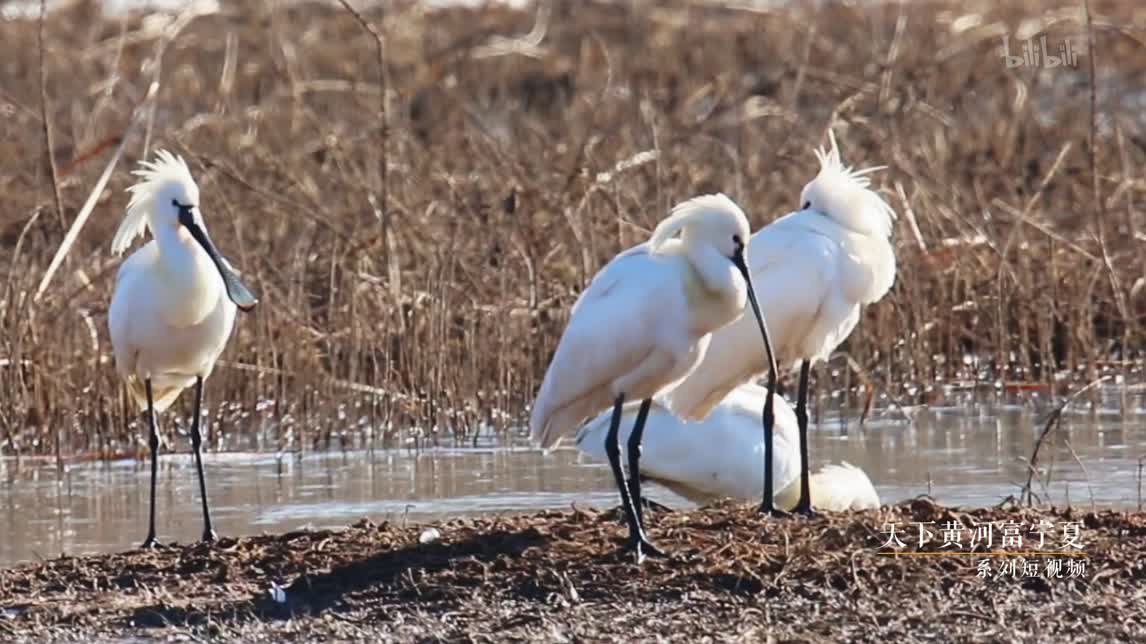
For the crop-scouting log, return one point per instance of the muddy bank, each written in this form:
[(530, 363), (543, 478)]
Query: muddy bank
[(558, 575)]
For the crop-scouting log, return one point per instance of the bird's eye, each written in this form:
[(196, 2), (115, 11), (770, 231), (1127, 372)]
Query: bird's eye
[(807, 204)]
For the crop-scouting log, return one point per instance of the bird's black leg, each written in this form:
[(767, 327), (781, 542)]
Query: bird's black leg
[(196, 448), (153, 441), (804, 505), (634, 449), (769, 420), (637, 539)]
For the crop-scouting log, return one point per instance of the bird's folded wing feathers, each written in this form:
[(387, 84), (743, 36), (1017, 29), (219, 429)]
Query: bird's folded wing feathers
[(608, 335), (792, 239), (792, 269)]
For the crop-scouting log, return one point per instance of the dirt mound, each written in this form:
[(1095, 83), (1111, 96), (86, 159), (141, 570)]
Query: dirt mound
[(732, 574)]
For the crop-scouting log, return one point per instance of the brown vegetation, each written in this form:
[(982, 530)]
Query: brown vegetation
[(516, 166)]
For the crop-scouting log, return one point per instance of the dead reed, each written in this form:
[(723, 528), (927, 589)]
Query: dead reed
[(519, 150)]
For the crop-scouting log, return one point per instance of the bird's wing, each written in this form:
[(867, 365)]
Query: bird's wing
[(862, 266), (607, 336), (868, 270), (792, 251), (795, 270), (123, 309), (814, 276), (138, 262), (614, 273)]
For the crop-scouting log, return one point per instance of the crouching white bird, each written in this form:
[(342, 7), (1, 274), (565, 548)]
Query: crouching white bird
[(173, 306), (640, 326), (815, 268), (722, 455)]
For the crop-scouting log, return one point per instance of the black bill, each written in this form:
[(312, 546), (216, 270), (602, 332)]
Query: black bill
[(236, 290), (738, 260)]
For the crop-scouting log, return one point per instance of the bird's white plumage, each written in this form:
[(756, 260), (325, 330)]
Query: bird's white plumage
[(813, 269), (643, 322), (170, 316), (722, 456), (837, 487)]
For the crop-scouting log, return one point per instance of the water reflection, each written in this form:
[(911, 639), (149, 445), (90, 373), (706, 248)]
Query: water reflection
[(969, 455)]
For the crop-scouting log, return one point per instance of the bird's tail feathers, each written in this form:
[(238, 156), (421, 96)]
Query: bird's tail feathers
[(162, 397), (548, 427), (835, 488)]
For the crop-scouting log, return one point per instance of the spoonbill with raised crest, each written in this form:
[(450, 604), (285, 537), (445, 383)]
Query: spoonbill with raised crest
[(173, 306), (815, 267), (642, 324)]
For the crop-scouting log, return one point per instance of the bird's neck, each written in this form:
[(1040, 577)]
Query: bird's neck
[(832, 227), (719, 290), (192, 284), (860, 216)]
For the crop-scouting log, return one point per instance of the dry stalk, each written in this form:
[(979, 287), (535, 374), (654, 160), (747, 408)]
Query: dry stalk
[(1054, 420), (49, 139), (1141, 465)]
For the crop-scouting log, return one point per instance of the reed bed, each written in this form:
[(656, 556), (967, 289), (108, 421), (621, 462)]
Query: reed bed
[(418, 233)]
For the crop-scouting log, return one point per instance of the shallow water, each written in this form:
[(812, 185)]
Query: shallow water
[(967, 455)]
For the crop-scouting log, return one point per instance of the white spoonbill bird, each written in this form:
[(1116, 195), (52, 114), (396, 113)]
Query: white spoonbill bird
[(722, 455), (173, 306), (815, 268), (641, 325)]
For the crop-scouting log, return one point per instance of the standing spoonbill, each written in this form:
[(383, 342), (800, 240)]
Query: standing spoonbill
[(816, 267), (173, 306), (641, 325), (721, 456)]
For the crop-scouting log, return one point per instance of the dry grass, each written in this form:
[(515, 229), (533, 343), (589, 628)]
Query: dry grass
[(503, 193)]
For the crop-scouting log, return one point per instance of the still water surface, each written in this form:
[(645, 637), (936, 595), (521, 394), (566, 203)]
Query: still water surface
[(972, 455)]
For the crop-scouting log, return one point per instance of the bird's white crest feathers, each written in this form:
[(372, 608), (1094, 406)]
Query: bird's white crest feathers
[(850, 186), (683, 213), (167, 167), (832, 164)]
